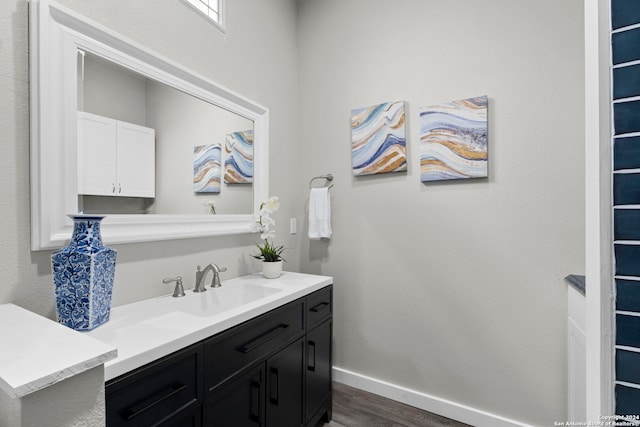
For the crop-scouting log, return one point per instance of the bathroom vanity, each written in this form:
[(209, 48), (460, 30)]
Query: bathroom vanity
[(254, 352)]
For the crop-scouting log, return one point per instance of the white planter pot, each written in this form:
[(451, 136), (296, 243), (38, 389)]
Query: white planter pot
[(271, 270)]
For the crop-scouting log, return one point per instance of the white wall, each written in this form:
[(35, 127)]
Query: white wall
[(452, 289)]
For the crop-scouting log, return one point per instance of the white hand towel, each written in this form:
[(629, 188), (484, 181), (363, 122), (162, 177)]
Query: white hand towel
[(319, 214)]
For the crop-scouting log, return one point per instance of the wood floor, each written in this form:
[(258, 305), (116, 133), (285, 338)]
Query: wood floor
[(356, 408)]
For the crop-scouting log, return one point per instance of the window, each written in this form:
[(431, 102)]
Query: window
[(211, 9)]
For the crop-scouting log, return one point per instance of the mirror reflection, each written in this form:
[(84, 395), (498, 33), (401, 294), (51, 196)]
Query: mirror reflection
[(147, 148)]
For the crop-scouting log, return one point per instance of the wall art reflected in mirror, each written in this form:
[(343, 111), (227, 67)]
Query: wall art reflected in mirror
[(93, 89)]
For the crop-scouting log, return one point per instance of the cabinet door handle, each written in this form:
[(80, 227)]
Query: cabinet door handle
[(153, 400), (311, 356), (113, 187), (274, 386), (119, 188), (254, 414), (316, 308), (258, 341)]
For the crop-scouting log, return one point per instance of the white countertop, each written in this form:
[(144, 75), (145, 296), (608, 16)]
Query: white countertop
[(148, 330), (36, 352)]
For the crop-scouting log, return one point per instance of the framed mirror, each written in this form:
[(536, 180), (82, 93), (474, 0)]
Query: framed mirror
[(206, 170)]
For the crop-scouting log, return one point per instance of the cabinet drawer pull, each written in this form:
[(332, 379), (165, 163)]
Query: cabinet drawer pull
[(274, 386), (316, 308), (255, 402), (258, 341), (153, 400), (311, 356)]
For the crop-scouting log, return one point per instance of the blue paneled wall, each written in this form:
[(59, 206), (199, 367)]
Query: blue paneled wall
[(625, 43)]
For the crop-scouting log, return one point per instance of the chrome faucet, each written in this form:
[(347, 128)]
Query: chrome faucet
[(201, 274)]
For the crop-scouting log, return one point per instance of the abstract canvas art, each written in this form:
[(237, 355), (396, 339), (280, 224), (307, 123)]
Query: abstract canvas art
[(238, 164), (453, 140), (378, 142), (206, 168)]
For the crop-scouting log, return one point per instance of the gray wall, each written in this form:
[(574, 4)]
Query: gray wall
[(106, 90), (453, 289), (74, 402), (260, 36), (182, 122)]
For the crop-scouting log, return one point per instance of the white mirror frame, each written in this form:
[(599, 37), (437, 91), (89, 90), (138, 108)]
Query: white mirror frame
[(55, 35)]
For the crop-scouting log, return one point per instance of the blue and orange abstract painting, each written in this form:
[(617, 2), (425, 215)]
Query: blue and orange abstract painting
[(378, 142), (206, 168), (238, 164), (453, 140)]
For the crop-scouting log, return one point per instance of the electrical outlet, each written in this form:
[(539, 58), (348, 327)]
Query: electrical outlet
[(293, 226)]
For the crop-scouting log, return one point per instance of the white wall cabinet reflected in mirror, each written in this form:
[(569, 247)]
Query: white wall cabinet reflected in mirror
[(82, 68), (115, 159)]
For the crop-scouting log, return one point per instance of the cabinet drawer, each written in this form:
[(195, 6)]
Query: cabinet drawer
[(232, 351), (155, 392), (319, 306)]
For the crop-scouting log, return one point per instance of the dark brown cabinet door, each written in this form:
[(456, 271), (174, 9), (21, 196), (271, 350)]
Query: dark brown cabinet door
[(189, 419), (318, 368), (240, 404), (285, 372)]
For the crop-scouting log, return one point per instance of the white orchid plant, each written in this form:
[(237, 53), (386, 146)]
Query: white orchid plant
[(266, 226)]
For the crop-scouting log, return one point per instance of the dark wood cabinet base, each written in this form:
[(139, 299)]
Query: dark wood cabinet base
[(324, 413), (271, 371)]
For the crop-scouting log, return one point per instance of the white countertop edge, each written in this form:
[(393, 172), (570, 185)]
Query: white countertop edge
[(44, 382), (28, 340), (123, 364)]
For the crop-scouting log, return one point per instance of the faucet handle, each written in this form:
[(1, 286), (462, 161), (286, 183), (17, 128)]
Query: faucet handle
[(215, 281), (199, 276), (179, 289)]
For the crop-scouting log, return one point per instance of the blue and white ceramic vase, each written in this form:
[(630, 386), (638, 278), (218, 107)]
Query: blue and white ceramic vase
[(83, 275)]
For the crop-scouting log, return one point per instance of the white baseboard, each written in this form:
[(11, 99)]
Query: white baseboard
[(436, 405)]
